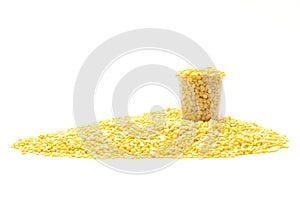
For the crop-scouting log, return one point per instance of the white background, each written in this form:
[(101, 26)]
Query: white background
[(43, 45)]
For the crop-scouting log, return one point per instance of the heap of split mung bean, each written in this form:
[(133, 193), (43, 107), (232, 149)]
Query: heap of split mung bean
[(193, 131), (160, 134)]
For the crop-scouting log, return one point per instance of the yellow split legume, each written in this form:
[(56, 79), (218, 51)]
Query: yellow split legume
[(200, 93), (161, 134), (194, 131)]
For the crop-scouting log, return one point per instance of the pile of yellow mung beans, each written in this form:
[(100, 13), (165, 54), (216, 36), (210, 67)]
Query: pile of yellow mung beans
[(160, 134), (194, 131)]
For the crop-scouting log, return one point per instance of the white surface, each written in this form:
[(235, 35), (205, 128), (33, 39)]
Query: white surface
[(43, 45)]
